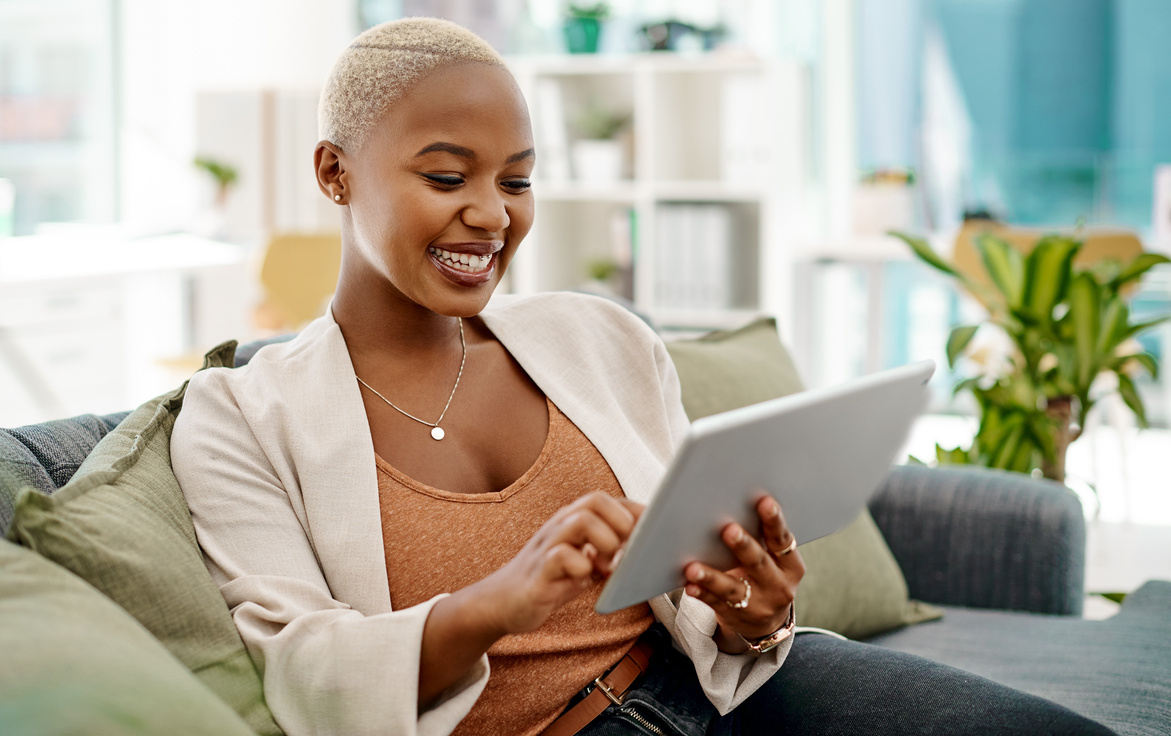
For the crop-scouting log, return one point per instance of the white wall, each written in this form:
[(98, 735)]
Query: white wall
[(173, 50)]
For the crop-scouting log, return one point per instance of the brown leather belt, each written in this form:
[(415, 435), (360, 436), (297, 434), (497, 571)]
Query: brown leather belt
[(609, 688)]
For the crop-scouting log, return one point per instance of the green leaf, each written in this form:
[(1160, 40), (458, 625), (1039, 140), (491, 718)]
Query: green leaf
[(1138, 327), (1146, 360), (927, 254), (1022, 460), (1047, 275), (1130, 395), (954, 456), (1115, 317), (1136, 268), (1007, 451), (958, 340), (1005, 267), (965, 385), (1041, 428), (1085, 315)]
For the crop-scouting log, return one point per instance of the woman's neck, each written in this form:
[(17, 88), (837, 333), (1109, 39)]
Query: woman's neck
[(377, 323)]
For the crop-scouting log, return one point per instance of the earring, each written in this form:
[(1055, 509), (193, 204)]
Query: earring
[(337, 198)]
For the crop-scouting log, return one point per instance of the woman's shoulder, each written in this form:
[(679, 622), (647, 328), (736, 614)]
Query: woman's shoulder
[(276, 373)]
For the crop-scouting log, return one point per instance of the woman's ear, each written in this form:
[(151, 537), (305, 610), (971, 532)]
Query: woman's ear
[(330, 171)]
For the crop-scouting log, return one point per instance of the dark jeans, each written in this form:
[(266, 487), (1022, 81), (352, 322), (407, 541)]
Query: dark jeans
[(831, 686)]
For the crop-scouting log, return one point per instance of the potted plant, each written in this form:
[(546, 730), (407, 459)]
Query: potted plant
[(1072, 336), (214, 222), (583, 27), (598, 154)]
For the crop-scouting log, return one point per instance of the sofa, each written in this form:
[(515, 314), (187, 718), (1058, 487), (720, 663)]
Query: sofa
[(108, 624)]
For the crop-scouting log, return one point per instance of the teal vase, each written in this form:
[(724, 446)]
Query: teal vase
[(581, 35)]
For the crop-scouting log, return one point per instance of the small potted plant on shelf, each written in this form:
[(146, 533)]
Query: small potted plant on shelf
[(1071, 341), (598, 153), (583, 27), (214, 222)]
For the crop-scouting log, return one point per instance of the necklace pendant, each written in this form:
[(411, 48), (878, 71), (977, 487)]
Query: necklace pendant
[(437, 433)]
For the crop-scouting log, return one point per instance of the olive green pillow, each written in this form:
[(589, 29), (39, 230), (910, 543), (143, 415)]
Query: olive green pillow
[(75, 663), (123, 526), (853, 584)]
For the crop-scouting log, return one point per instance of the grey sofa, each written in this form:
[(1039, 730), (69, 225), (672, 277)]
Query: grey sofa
[(1003, 554)]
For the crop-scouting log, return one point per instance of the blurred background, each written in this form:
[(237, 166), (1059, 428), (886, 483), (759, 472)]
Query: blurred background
[(708, 161)]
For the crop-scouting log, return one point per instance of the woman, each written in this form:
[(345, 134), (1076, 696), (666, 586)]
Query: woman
[(424, 488)]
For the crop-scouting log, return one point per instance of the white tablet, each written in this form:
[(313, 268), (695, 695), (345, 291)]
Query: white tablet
[(820, 453)]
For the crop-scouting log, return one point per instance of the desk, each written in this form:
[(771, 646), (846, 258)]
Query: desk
[(86, 317)]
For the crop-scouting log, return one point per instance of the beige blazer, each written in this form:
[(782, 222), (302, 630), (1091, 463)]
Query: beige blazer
[(277, 465)]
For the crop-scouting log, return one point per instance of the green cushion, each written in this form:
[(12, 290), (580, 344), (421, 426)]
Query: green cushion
[(122, 525), (75, 663), (728, 369), (853, 584)]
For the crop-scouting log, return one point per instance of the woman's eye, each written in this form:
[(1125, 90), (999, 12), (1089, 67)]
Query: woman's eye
[(444, 180), (517, 185)]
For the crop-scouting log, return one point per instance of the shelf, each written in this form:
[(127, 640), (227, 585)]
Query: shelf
[(622, 192), (715, 155), (651, 62), (628, 191)]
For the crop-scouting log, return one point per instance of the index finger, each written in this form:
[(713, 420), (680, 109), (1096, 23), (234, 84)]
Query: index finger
[(774, 530), (617, 515)]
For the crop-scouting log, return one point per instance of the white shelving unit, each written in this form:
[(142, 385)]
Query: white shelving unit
[(708, 134)]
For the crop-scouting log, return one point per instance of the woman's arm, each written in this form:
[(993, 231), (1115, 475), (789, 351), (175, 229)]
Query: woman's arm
[(564, 558)]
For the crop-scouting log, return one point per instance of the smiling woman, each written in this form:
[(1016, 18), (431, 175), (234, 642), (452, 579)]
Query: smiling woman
[(388, 579)]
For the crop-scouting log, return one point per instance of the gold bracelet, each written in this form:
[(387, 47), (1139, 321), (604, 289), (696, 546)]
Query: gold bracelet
[(775, 639)]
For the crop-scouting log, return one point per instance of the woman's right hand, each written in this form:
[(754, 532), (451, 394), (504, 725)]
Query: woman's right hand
[(576, 547)]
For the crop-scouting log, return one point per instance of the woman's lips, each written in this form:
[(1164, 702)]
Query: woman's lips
[(465, 266)]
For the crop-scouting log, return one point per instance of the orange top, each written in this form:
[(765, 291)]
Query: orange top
[(438, 542)]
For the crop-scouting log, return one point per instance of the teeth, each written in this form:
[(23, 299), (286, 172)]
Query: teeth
[(465, 262)]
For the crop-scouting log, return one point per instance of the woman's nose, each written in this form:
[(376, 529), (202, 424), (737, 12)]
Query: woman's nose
[(487, 211)]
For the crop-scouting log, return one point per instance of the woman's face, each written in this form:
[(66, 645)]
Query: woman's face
[(439, 195)]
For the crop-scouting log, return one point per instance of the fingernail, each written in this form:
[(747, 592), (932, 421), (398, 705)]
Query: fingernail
[(617, 558), (697, 574), (692, 591), (773, 508), (737, 534)]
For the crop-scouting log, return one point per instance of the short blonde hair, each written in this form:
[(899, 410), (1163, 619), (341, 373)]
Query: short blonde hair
[(383, 64)]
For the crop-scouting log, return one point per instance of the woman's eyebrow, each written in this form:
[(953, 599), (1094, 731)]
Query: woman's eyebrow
[(528, 153), (449, 148), (468, 153)]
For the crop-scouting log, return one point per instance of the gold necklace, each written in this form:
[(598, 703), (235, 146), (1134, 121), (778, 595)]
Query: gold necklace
[(437, 432)]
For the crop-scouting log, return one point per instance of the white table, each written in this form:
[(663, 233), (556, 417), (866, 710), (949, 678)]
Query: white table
[(86, 316)]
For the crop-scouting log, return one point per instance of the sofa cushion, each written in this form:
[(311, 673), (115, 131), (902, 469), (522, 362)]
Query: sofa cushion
[(123, 526), (725, 370), (76, 663), (44, 456), (1113, 671), (852, 582)]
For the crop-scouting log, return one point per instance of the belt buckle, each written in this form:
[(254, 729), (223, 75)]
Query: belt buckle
[(608, 692)]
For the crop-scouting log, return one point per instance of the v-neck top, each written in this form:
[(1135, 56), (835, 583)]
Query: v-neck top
[(438, 541)]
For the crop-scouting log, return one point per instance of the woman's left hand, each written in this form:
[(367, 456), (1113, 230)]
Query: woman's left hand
[(769, 565)]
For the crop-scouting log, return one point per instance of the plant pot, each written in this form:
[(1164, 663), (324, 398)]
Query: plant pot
[(597, 162), (581, 35)]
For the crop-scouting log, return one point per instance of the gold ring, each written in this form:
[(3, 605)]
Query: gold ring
[(743, 602), (792, 546)]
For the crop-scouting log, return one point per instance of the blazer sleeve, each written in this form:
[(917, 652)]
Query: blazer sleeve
[(327, 668), (727, 679)]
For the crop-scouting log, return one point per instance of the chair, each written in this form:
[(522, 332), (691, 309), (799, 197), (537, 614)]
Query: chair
[(1099, 244), (299, 274)]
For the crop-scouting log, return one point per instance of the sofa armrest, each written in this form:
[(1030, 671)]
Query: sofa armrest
[(984, 538)]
